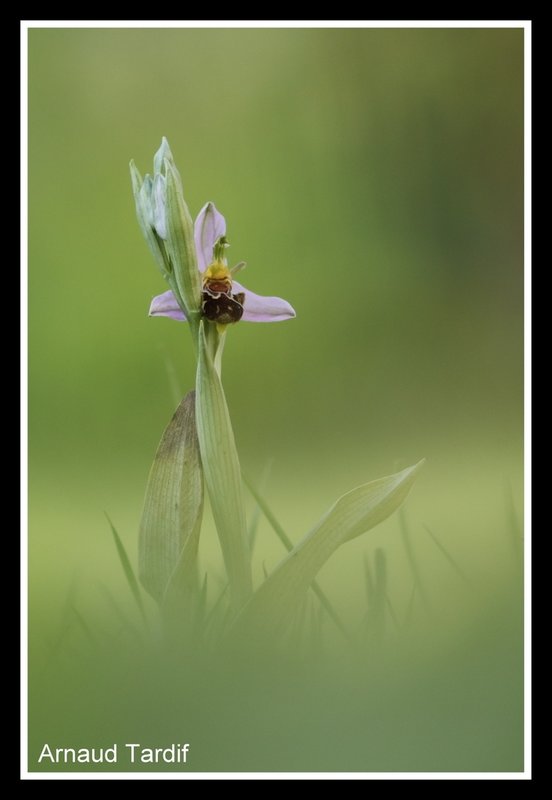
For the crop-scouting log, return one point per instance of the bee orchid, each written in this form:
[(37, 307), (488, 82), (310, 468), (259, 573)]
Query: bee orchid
[(223, 300)]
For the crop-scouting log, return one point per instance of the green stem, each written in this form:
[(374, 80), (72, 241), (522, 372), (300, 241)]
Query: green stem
[(219, 351), (221, 468)]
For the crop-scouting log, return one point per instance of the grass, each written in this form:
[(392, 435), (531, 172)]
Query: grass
[(128, 571), (420, 690)]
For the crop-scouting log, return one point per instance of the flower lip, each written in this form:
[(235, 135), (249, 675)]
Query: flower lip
[(223, 308)]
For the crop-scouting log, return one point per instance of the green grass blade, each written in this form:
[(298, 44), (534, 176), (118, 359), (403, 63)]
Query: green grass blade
[(256, 515), (127, 569), (414, 569), (275, 525), (368, 582), (459, 571)]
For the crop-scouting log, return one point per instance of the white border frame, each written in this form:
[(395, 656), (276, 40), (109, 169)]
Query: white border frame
[(526, 25)]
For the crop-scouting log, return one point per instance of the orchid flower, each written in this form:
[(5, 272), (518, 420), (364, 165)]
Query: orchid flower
[(198, 447), (203, 292), (224, 300)]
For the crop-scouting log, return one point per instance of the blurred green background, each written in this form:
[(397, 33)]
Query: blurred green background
[(374, 178)]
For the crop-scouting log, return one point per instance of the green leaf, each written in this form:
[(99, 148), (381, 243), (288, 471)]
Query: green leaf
[(222, 473), (271, 608), (173, 510), (288, 544)]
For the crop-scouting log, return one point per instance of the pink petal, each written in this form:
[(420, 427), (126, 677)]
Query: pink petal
[(209, 225), (257, 308), (165, 305)]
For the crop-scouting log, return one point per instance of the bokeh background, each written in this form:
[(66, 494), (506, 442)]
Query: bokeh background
[(374, 178)]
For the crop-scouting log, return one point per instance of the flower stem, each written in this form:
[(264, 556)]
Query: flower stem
[(222, 468)]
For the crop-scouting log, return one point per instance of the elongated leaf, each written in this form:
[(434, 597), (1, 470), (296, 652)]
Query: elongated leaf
[(288, 544), (222, 474), (271, 608), (182, 594), (173, 508)]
